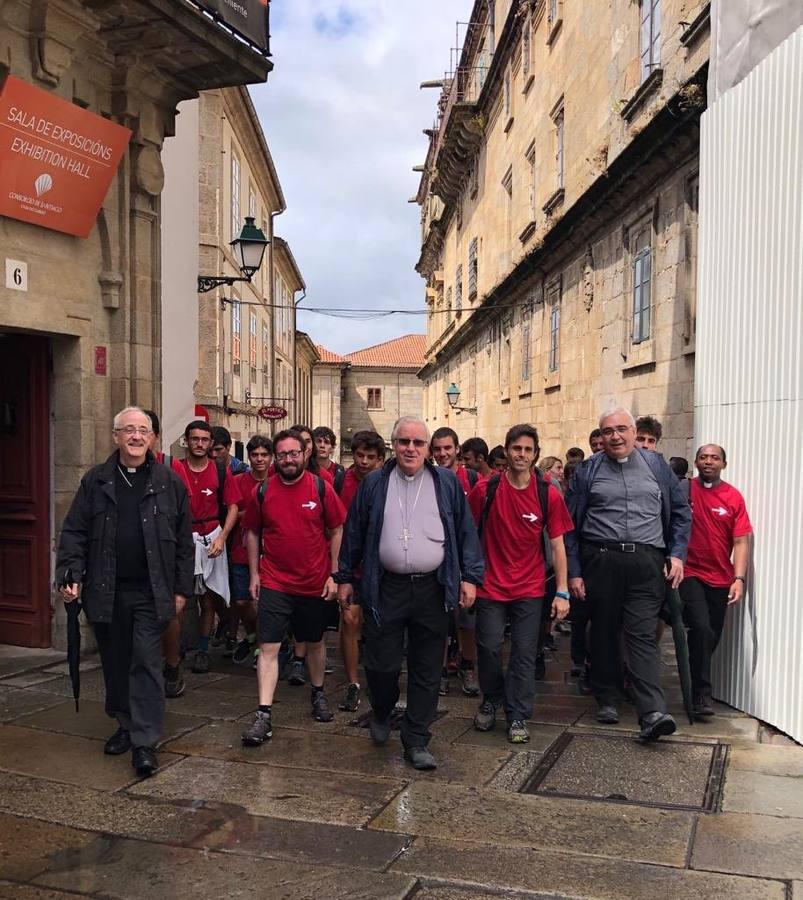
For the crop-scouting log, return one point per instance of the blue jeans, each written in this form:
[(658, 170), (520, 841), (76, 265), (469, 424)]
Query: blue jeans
[(514, 689)]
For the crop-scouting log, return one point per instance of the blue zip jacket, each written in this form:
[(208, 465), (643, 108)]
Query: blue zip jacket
[(462, 561), (675, 510)]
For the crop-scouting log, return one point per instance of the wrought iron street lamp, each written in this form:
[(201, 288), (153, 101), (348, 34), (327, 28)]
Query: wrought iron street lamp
[(248, 249), (453, 395)]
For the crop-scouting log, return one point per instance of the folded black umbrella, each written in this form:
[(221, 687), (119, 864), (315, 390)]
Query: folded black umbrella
[(672, 613), (73, 611)]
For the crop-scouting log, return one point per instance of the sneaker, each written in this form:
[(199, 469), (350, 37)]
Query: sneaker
[(230, 647), (471, 687), (351, 701), (242, 652), (320, 708), (702, 707), (540, 667), (443, 689), (607, 715), (420, 758), (200, 665), (258, 731), (517, 732), (174, 681), (298, 673), (485, 717)]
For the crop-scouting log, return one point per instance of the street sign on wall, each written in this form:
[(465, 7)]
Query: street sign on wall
[(272, 412), (249, 18), (57, 160)]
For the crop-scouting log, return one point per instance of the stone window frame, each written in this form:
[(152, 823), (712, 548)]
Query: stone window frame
[(648, 50), (473, 268), (252, 345), (252, 201), (374, 398), (527, 54), (236, 335), (526, 340), (265, 349), (553, 301), (458, 286), (554, 19), (507, 99), (641, 271), (235, 187), (691, 255)]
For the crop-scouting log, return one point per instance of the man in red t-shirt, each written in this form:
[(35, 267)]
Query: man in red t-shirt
[(515, 580), (300, 520), (203, 482), (368, 450), (720, 530), (445, 447), (475, 457)]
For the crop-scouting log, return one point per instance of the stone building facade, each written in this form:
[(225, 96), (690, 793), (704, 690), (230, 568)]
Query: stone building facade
[(559, 219), (85, 338), (368, 389), (306, 357)]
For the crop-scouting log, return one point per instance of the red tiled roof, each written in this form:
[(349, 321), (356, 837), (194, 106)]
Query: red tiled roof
[(402, 353), (327, 356)]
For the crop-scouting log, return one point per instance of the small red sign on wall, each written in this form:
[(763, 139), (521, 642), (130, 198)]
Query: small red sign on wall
[(100, 360)]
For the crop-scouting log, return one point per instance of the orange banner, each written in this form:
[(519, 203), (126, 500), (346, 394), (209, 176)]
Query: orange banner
[(56, 159)]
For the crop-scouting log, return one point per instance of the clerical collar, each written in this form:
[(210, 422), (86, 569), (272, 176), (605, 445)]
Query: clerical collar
[(409, 477), (710, 484), (622, 460)]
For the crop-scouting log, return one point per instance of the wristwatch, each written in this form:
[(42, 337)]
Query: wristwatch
[(564, 595), (740, 578)]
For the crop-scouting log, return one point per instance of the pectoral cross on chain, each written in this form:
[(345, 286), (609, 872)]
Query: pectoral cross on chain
[(405, 536)]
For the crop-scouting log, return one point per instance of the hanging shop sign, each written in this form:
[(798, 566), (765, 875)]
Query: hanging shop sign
[(57, 160), (249, 18), (272, 412)]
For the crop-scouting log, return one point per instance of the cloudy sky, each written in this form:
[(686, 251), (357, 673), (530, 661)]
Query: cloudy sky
[(343, 115)]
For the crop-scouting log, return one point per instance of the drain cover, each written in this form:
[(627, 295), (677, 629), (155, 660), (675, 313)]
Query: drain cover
[(600, 767)]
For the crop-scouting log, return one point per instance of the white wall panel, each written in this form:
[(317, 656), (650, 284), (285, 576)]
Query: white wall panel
[(749, 367)]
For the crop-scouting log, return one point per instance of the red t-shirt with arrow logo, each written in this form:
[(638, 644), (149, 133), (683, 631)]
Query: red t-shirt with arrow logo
[(718, 515), (203, 490)]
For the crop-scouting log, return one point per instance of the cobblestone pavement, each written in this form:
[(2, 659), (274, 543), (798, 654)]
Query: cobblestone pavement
[(319, 812)]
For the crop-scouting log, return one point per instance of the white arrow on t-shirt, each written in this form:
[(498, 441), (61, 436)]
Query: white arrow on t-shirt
[(207, 492), (719, 509), (532, 517), (310, 505)]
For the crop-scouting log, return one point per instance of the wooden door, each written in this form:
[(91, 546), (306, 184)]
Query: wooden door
[(24, 491)]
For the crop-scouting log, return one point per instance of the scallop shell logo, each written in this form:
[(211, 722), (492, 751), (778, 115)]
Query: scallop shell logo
[(43, 184)]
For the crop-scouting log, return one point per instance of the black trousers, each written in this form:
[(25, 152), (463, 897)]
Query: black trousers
[(131, 655), (417, 607), (704, 609), (626, 591)]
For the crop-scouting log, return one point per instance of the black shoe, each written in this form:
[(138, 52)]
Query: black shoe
[(584, 682), (607, 715), (144, 761), (119, 742), (420, 758), (655, 725), (549, 642), (298, 674), (320, 708), (351, 701), (540, 667), (259, 731), (174, 681), (702, 707), (575, 671), (380, 730), (200, 665)]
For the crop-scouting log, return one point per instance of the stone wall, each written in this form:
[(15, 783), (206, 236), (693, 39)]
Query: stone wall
[(402, 395)]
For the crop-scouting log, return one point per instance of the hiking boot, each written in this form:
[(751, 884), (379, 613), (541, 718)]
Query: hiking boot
[(298, 673), (174, 681), (321, 711), (351, 701), (200, 665), (420, 758), (540, 667), (485, 717), (258, 731), (655, 725), (607, 715), (443, 689), (702, 707), (242, 652), (517, 732), (119, 742), (471, 687)]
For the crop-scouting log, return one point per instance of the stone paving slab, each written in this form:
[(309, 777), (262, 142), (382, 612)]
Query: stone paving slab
[(91, 721), (22, 659), (299, 794), (717, 728), (15, 702), (767, 759), (453, 892), (28, 679), (562, 874), (133, 870), (516, 772), (26, 845), (603, 829), (9, 891), (94, 810), (92, 687), (305, 843), (769, 795), (541, 736), (63, 757), (745, 844), (336, 753)]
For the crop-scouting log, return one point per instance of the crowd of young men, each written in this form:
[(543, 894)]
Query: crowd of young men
[(445, 546)]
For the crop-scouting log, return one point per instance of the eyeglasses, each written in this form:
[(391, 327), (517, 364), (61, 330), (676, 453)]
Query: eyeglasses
[(619, 429), (134, 429), (289, 454), (411, 442)]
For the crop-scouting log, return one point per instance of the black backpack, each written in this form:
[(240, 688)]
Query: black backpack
[(473, 477), (542, 488), (340, 479)]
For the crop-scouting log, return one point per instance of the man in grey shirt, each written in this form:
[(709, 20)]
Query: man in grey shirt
[(632, 526), (411, 544)]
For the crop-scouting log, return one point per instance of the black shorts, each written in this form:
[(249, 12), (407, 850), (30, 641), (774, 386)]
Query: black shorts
[(305, 616)]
